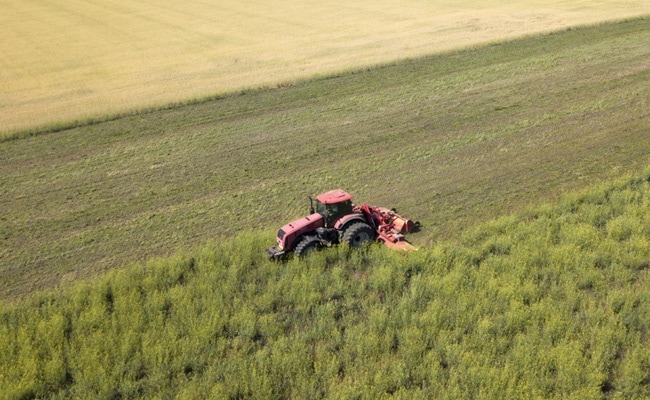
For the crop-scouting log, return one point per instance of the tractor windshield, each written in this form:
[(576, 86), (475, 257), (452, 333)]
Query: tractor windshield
[(332, 212), (321, 208)]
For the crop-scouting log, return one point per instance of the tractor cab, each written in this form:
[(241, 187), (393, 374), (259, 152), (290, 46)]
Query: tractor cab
[(333, 205)]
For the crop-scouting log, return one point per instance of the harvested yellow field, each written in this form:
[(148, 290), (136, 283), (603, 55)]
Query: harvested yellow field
[(63, 60)]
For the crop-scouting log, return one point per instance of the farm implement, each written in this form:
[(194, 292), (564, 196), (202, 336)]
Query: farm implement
[(334, 219)]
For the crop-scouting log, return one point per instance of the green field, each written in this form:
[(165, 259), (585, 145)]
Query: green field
[(132, 243), (450, 140), (551, 303), (66, 60)]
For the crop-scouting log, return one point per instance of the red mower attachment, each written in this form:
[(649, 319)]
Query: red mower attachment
[(390, 226), (335, 219)]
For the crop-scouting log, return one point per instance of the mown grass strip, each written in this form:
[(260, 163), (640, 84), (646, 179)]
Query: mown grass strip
[(449, 140)]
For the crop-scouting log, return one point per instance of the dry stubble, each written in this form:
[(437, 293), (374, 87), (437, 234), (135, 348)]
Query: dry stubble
[(66, 60)]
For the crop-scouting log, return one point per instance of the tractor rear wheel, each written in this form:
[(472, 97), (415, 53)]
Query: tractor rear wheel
[(357, 234), (306, 246)]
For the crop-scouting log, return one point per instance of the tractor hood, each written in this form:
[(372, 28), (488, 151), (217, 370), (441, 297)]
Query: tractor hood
[(287, 234), (305, 222)]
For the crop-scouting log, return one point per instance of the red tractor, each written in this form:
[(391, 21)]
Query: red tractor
[(337, 220)]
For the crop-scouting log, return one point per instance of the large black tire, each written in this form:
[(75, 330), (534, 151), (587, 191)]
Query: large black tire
[(306, 246), (357, 234)]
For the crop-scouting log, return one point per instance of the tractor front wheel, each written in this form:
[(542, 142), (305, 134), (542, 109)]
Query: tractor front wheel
[(357, 234), (306, 246)]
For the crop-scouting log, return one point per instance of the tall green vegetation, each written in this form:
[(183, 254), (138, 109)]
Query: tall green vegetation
[(553, 302)]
